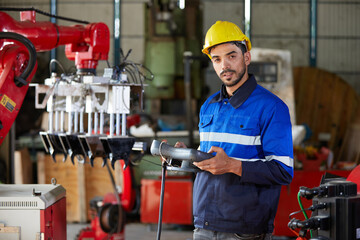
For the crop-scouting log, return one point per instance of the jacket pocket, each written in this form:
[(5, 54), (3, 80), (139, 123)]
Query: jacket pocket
[(205, 121), (245, 124)]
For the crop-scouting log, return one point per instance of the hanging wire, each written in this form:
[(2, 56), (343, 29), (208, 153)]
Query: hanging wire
[(58, 63), (138, 73), (43, 13)]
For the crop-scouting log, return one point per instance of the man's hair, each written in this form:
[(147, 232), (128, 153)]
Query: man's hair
[(239, 44)]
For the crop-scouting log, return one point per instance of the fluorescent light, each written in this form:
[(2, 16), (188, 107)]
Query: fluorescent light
[(181, 4)]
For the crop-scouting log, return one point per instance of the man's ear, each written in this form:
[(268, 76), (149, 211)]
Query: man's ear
[(247, 57)]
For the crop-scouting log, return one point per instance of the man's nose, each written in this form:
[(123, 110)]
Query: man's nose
[(225, 65)]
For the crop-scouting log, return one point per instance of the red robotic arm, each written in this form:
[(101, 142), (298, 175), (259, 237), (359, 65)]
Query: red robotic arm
[(19, 42), (84, 44)]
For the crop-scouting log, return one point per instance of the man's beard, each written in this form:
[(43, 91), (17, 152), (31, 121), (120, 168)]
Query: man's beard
[(231, 84)]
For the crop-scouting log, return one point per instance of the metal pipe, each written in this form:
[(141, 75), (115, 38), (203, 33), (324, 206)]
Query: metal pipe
[(56, 121), (123, 125), (81, 122), (53, 52), (247, 18), (70, 122), (51, 121), (89, 123), (187, 84), (117, 31), (96, 122), (101, 122), (62, 121), (118, 124), (111, 124), (313, 33), (76, 121)]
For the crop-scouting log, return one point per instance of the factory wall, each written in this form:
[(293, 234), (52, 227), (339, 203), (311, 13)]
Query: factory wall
[(338, 39), (279, 24), (285, 24), (282, 25)]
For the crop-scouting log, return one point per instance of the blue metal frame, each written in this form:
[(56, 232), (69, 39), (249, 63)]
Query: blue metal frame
[(117, 31), (313, 33), (53, 52), (247, 27)]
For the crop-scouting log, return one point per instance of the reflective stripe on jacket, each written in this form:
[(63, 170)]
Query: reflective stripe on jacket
[(257, 131)]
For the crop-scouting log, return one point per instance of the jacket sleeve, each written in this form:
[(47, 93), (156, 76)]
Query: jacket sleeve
[(276, 139), (266, 173)]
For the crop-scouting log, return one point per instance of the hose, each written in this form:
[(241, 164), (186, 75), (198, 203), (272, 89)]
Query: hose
[(21, 80), (302, 209)]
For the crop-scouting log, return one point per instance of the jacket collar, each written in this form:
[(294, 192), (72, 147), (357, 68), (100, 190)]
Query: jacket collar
[(240, 95)]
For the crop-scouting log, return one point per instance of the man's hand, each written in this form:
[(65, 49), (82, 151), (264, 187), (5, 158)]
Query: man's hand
[(177, 144), (180, 145), (221, 163)]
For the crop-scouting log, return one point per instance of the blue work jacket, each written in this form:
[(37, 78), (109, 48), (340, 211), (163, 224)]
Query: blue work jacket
[(254, 127)]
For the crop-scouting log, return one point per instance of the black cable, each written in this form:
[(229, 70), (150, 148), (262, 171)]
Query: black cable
[(131, 73), (146, 160), (311, 208), (163, 174), (129, 69), (43, 13), (127, 55), (293, 213), (118, 229), (21, 80)]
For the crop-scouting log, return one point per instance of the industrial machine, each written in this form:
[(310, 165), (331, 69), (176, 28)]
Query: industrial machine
[(42, 205), (87, 113), (19, 42), (335, 211)]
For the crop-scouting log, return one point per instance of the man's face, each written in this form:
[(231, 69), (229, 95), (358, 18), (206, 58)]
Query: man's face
[(230, 64)]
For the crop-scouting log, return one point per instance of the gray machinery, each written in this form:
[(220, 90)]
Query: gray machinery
[(336, 211), (98, 103)]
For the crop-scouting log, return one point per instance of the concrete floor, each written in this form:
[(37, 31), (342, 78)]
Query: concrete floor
[(138, 231)]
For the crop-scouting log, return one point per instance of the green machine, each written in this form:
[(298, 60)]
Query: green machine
[(170, 32)]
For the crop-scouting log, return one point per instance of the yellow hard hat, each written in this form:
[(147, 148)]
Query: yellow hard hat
[(222, 32)]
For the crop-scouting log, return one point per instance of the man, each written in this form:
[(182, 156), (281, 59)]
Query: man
[(248, 130)]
